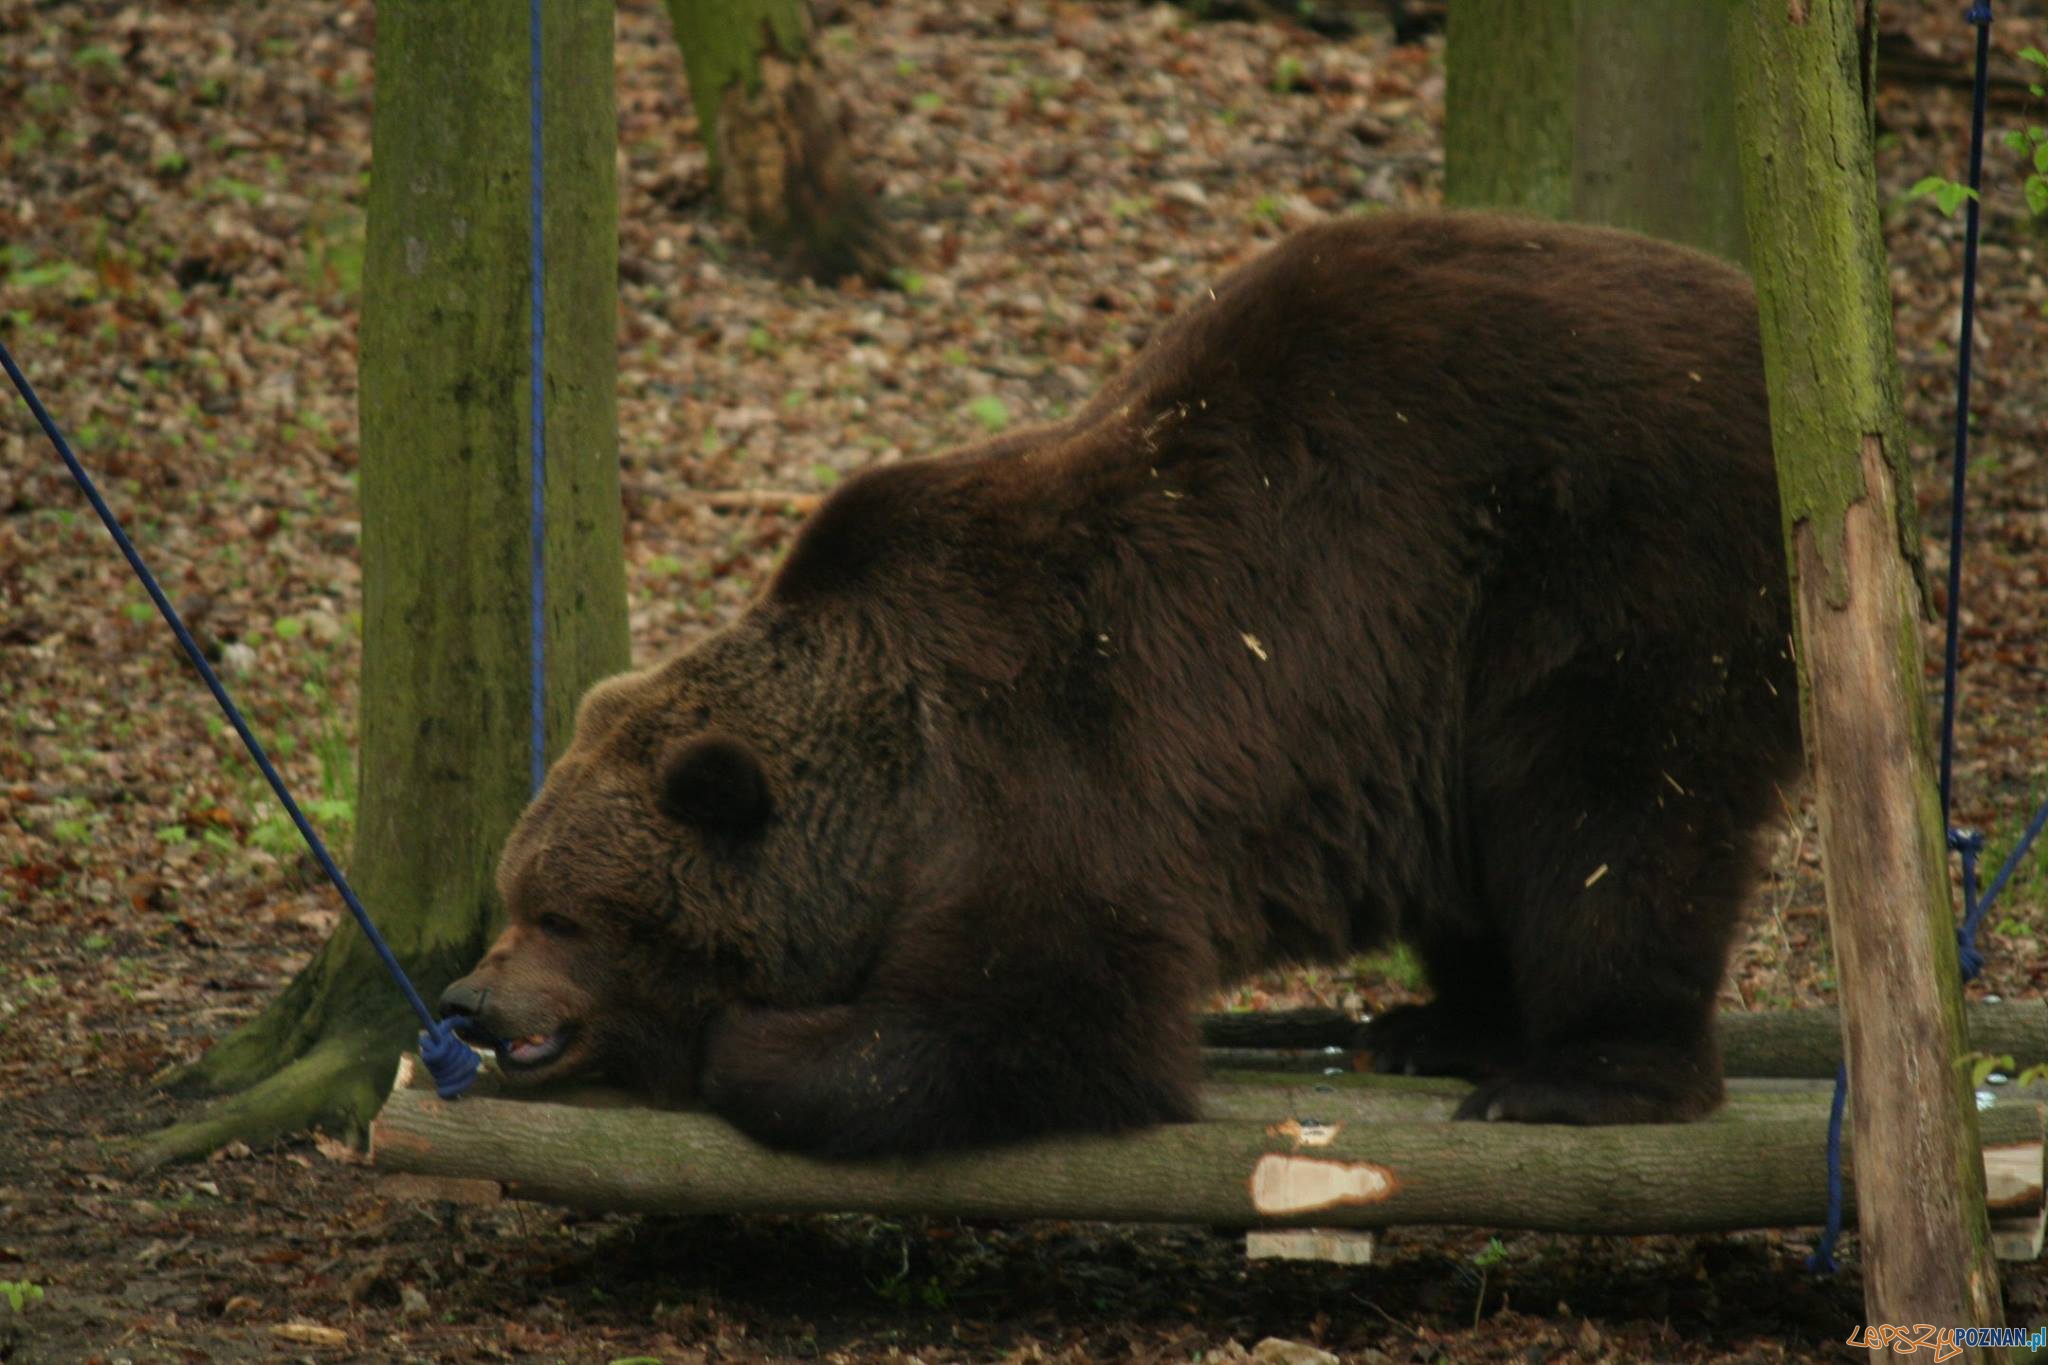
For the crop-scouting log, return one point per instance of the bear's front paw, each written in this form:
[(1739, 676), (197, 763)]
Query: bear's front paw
[(1437, 1040)]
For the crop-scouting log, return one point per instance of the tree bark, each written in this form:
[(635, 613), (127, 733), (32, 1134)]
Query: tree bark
[(1601, 111), (1764, 1043), (778, 137), (1510, 72), (1831, 362), (446, 564), (1265, 1171)]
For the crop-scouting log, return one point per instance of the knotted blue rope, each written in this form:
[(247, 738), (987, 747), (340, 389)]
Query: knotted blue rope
[(450, 1060), (1968, 844), (537, 676)]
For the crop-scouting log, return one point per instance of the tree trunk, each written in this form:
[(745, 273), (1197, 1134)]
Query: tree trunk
[(778, 136), (1763, 1043), (1274, 1170), (1510, 71), (446, 557), (1601, 111), (1849, 523)]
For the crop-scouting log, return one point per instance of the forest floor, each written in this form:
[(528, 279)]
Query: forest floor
[(181, 244)]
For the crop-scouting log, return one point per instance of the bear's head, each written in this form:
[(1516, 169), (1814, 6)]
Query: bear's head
[(728, 825)]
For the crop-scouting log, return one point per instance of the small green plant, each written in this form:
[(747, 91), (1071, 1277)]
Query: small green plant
[(928, 101), (1484, 1261), (2032, 142), (1948, 195), (990, 411), (21, 1295), (825, 474), (1289, 75), (1397, 964)]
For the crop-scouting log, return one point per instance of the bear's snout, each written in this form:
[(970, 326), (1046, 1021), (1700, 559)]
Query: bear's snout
[(462, 1005)]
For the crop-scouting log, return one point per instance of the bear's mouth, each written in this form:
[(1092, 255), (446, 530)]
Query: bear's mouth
[(536, 1050)]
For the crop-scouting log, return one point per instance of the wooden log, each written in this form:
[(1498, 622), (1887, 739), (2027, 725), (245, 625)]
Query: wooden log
[(1747, 1170), (1790, 1043), (1364, 1096)]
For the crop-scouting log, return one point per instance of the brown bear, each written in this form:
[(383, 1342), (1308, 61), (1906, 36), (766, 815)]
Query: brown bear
[(1424, 582)]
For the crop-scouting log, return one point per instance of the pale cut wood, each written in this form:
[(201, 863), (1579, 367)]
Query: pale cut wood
[(1339, 1246), (1760, 1170)]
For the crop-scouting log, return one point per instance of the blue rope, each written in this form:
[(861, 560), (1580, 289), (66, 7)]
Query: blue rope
[(450, 1060), (1822, 1261), (1969, 844), (537, 418)]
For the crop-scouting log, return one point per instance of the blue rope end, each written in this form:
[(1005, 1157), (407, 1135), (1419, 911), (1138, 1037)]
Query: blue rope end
[(1822, 1261), (451, 1060), (1968, 959), (1978, 13)]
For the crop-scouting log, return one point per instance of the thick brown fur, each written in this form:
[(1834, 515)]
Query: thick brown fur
[(1425, 583)]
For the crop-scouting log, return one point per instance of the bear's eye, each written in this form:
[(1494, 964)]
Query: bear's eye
[(555, 926)]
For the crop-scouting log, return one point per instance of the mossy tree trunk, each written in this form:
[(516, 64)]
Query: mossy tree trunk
[(446, 556), (778, 136), (1601, 111), (1852, 539), (1509, 68)]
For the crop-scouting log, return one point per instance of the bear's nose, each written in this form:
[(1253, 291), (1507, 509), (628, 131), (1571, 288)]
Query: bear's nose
[(463, 1002)]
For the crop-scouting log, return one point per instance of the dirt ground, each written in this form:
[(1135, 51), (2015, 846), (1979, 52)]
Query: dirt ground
[(181, 191)]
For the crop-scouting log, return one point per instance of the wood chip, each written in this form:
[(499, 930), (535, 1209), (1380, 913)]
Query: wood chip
[(309, 1334)]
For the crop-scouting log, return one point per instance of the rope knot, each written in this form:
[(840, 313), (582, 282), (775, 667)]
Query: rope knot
[(1979, 13), (1967, 842), (450, 1060)]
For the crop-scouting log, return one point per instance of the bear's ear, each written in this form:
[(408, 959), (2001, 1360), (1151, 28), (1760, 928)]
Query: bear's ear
[(714, 781)]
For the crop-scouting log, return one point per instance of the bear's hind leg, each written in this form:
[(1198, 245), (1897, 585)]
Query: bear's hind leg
[(1616, 978)]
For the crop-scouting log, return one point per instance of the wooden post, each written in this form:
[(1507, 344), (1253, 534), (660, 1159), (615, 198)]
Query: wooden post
[(1851, 537)]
